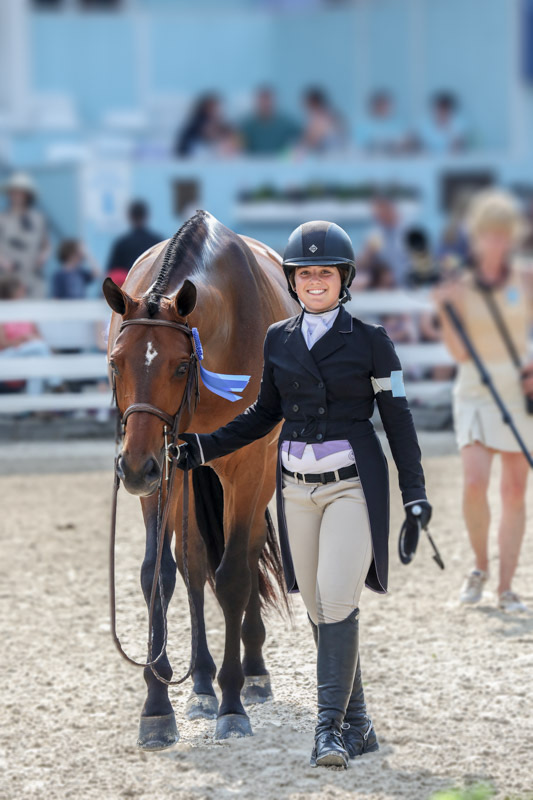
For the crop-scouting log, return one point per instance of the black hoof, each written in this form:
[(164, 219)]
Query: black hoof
[(201, 706), (256, 689), (158, 733), (233, 726)]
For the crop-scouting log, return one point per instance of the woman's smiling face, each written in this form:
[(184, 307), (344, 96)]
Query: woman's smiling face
[(318, 287)]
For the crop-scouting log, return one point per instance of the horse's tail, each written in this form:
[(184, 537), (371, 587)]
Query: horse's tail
[(209, 505), (272, 586)]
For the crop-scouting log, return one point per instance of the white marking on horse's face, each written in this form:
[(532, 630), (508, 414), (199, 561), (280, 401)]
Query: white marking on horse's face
[(150, 354)]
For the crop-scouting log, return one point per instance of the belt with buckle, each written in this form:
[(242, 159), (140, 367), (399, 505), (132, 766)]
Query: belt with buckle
[(324, 477)]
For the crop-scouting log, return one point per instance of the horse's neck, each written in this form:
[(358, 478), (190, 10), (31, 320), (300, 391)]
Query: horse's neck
[(212, 316)]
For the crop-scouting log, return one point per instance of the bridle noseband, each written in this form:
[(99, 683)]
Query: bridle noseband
[(170, 431)]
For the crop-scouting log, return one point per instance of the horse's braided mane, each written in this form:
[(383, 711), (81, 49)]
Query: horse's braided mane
[(174, 252)]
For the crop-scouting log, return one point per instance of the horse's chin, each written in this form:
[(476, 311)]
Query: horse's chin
[(140, 491)]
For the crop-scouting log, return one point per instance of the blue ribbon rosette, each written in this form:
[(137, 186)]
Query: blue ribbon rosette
[(217, 382)]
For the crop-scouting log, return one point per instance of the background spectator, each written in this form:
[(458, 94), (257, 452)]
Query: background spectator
[(207, 132), (24, 245), (452, 250), (268, 131), (373, 272), (71, 280), (127, 248), (21, 338), (381, 131), (386, 240), (444, 131), (423, 269), (324, 129)]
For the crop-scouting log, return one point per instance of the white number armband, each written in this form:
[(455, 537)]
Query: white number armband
[(394, 383)]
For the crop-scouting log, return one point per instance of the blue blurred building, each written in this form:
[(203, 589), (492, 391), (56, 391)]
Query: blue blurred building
[(92, 94)]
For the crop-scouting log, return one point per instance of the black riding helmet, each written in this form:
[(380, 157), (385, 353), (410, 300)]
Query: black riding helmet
[(322, 243)]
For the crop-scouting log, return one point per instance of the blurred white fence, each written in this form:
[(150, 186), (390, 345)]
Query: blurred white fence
[(80, 325), (65, 325)]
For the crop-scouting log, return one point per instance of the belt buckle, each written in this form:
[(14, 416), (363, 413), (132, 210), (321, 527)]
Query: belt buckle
[(336, 473)]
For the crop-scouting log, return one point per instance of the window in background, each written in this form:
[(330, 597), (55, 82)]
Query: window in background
[(456, 185)]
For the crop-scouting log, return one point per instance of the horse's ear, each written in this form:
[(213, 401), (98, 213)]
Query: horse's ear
[(116, 297), (185, 300)]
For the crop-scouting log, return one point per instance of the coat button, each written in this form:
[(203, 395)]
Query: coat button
[(320, 385), (295, 385), (321, 410), (296, 407), (319, 436), (294, 434)]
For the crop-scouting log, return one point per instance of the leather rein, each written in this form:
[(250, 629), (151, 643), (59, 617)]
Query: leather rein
[(168, 474)]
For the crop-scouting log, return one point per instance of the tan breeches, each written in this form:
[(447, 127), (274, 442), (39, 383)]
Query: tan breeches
[(331, 544)]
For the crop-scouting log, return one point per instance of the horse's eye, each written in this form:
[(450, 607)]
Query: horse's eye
[(114, 368), (182, 369)]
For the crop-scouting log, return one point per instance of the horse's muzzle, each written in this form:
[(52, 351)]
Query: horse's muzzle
[(142, 481)]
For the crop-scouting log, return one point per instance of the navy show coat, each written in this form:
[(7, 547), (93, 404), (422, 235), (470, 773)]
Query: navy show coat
[(328, 393)]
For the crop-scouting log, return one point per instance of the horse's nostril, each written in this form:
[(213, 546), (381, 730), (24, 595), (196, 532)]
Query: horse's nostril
[(151, 470)]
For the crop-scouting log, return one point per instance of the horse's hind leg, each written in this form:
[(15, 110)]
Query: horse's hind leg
[(257, 687), (157, 729), (202, 703)]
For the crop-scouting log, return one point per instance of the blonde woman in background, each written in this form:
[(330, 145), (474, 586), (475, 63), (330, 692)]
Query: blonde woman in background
[(496, 228)]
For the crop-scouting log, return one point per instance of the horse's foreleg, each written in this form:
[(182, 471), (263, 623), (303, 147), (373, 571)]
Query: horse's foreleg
[(257, 687), (202, 703), (157, 728)]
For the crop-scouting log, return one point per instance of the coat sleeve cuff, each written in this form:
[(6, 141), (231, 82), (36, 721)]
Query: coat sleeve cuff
[(202, 458), (205, 447), (411, 496)]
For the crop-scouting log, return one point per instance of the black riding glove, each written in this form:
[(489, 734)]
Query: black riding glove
[(420, 511), (189, 453), (417, 516)]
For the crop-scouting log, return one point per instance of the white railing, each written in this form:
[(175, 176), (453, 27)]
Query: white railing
[(64, 325), (79, 324)]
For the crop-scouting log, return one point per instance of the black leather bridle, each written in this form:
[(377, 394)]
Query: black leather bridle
[(170, 434)]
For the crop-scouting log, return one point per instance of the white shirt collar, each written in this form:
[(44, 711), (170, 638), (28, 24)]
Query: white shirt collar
[(316, 325)]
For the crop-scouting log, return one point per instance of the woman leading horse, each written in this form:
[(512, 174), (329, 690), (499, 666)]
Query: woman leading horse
[(231, 289), (322, 371)]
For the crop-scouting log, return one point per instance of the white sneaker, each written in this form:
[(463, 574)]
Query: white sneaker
[(472, 590), (510, 601)]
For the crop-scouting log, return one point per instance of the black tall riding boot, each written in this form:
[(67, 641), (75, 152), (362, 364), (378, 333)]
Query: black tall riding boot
[(360, 737), (358, 731), (335, 666)]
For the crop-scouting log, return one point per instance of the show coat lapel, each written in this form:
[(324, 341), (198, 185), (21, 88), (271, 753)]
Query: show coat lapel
[(295, 343), (334, 338)]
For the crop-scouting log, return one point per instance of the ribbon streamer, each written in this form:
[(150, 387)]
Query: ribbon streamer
[(217, 382)]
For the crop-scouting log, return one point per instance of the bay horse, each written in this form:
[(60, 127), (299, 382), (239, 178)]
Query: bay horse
[(231, 288)]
